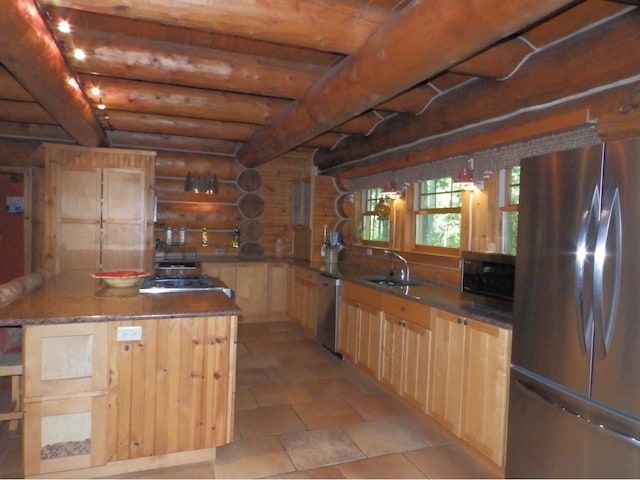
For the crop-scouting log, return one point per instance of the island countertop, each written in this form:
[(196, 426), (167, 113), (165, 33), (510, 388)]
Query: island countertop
[(75, 297)]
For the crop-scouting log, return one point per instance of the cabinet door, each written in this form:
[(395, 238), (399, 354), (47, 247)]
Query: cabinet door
[(251, 288), (224, 271), (348, 329), (124, 219), (486, 384), (447, 371), (415, 365), (76, 238), (65, 434), (277, 289), (65, 359), (392, 352), (369, 340), (310, 302)]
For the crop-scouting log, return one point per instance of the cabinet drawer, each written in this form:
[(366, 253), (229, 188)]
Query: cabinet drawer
[(361, 294), (415, 312), (305, 275)]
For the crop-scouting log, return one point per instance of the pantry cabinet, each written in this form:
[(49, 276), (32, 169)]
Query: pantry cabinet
[(406, 349), (470, 380), (100, 208)]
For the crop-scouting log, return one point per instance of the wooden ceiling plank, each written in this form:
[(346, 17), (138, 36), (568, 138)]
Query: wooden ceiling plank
[(164, 62), (383, 67), (496, 62), (123, 139), (11, 89), (183, 126), (30, 53), (329, 25), (24, 112)]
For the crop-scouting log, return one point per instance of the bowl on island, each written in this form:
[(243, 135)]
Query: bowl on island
[(120, 278)]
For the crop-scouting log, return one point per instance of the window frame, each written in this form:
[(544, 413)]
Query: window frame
[(365, 212), (417, 211)]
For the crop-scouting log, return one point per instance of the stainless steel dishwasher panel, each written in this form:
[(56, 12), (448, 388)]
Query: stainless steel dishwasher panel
[(328, 311)]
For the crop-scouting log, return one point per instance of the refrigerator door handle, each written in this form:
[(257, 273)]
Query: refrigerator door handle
[(588, 224), (558, 404), (605, 315)]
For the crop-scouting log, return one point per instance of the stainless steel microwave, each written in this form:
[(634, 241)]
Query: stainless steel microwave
[(488, 279)]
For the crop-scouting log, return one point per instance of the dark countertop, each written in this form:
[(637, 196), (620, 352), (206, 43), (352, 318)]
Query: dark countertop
[(74, 297), (436, 295)]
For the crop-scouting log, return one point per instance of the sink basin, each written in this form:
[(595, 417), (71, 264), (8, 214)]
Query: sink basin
[(390, 282)]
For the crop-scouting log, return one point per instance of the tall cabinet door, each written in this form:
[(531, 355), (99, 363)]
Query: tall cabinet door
[(78, 218), (123, 219)]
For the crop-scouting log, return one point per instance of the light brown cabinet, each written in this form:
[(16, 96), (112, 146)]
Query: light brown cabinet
[(100, 214), (65, 397), (360, 327), (470, 380), (304, 298), (406, 349), (260, 287), (92, 402)]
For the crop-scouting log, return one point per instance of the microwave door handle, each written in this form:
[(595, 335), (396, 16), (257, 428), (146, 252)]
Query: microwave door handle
[(584, 306), (605, 315)]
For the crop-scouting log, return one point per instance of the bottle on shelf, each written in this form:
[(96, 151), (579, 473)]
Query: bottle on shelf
[(182, 236), (168, 236), (204, 237)]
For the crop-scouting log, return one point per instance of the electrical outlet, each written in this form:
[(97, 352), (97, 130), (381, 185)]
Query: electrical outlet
[(128, 334), (369, 252)]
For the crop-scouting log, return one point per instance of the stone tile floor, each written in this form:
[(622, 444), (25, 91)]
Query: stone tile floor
[(301, 412)]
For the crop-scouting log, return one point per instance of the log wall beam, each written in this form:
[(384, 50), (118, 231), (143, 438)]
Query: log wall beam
[(39, 59), (372, 75)]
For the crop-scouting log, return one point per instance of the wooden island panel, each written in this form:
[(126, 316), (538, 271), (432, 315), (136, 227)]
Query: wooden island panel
[(173, 390)]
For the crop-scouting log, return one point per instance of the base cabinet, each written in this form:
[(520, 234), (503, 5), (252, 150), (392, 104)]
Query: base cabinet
[(470, 381), (406, 349), (304, 298), (95, 406), (65, 397)]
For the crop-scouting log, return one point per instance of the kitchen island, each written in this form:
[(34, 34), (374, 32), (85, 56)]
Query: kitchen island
[(117, 381)]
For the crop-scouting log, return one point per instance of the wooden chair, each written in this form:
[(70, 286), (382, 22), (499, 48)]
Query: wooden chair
[(11, 366)]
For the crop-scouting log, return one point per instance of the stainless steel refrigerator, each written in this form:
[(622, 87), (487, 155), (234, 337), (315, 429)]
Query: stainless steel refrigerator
[(574, 407)]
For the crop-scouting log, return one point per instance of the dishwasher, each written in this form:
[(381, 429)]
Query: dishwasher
[(328, 311)]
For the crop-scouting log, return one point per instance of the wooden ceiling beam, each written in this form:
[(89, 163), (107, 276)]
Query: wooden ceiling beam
[(170, 142), (38, 58), (588, 66), (340, 27), (391, 61)]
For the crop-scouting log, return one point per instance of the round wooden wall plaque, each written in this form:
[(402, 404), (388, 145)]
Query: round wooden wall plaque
[(251, 205), (251, 230), (249, 180)]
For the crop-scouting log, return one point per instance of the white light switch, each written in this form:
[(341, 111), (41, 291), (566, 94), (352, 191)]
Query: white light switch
[(127, 334)]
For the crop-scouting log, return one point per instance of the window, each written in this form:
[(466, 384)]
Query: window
[(375, 229), (509, 209), (438, 214)]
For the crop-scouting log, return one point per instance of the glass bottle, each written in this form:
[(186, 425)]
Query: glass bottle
[(182, 236), (204, 237)]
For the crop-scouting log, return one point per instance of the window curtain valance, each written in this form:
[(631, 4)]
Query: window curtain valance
[(484, 162)]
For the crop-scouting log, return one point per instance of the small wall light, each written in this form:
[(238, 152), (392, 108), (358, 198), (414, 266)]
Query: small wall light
[(464, 180), (201, 184)]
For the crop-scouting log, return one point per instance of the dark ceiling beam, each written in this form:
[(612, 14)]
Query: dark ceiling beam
[(30, 54), (402, 53)]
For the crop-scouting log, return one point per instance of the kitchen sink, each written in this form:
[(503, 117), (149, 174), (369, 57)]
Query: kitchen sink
[(390, 282)]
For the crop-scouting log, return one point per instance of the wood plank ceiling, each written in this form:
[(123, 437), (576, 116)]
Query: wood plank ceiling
[(256, 79)]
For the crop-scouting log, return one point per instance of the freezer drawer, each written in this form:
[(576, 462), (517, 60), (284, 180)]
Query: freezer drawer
[(549, 436)]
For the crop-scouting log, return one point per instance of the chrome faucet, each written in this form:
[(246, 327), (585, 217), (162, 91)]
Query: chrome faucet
[(404, 274)]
